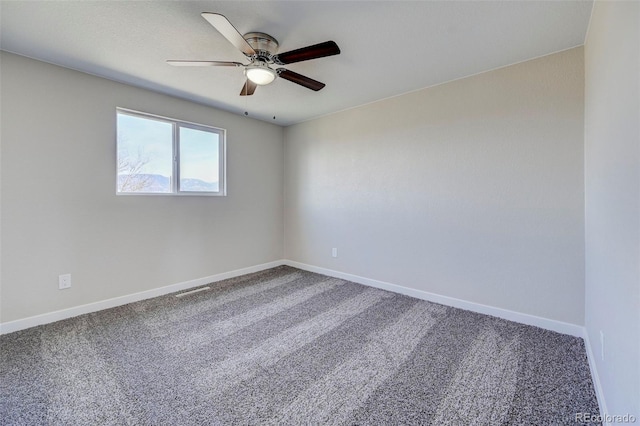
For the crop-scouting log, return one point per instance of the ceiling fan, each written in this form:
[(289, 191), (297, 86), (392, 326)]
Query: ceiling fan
[(261, 52)]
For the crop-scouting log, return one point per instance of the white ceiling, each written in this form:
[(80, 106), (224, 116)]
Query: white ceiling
[(388, 47)]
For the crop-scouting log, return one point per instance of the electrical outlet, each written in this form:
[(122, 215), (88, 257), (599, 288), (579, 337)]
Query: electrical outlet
[(64, 281), (602, 344), (334, 252)]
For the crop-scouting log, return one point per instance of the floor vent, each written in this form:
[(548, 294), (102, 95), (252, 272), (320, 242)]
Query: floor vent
[(197, 290)]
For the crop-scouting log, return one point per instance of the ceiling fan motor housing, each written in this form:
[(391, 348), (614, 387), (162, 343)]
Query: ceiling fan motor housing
[(264, 45)]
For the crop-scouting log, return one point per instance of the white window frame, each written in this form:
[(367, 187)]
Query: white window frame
[(175, 179)]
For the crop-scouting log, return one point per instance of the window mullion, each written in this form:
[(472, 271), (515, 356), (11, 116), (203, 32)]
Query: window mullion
[(176, 158)]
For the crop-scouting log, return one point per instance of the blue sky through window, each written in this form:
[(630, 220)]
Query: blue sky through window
[(198, 155), (148, 141)]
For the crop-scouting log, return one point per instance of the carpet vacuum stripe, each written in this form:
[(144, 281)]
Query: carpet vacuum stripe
[(74, 367), (206, 303), (333, 398), (484, 384), (218, 329), (244, 366)]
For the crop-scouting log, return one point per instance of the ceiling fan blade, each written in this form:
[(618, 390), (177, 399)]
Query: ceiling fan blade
[(328, 48), (229, 32), (248, 88), (204, 63), (300, 79)]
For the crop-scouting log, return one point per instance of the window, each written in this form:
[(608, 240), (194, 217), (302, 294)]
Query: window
[(158, 155)]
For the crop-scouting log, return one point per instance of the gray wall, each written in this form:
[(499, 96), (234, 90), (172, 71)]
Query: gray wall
[(60, 213), (612, 181), (472, 189)]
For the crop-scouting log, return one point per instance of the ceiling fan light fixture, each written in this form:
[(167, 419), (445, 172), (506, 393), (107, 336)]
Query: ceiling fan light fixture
[(260, 74)]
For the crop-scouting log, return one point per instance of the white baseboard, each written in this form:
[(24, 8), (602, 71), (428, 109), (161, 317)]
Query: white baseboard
[(560, 327), (21, 324), (595, 378), (548, 324)]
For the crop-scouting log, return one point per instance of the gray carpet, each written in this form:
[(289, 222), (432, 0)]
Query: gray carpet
[(285, 346)]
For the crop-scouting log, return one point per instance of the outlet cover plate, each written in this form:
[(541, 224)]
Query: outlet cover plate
[(64, 281)]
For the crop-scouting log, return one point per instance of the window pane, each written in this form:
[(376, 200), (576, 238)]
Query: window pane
[(199, 160), (145, 154)]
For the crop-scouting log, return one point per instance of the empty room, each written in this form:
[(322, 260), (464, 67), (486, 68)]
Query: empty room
[(319, 212)]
